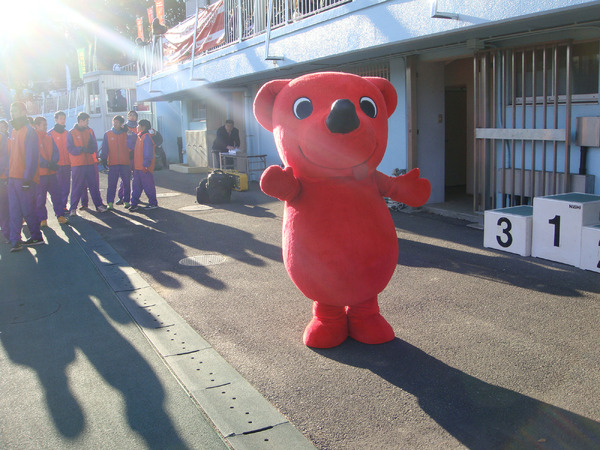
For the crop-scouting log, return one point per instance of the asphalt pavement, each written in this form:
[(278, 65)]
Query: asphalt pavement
[(492, 350)]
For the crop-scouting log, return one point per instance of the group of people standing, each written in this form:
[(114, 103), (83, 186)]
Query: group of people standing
[(35, 162)]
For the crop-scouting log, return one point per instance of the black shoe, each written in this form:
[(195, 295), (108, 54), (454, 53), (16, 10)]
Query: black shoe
[(32, 241), (149, 207), (133, 207), (15, 248), (119, 202)]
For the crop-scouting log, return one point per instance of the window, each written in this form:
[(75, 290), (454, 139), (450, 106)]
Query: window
[(381, 69), (94, 97), (198, 111), (552, 60), (116, 100)]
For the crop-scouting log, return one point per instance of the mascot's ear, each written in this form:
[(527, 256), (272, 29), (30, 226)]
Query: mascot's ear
[(263, 103), (388, 91)]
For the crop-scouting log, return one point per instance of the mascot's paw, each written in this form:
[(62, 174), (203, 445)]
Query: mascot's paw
[(279, 183), (328, 328), (366, 325), (411, 189)]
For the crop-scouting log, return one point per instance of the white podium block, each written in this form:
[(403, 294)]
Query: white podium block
[(557, 225), (590, 248), (509, 229)]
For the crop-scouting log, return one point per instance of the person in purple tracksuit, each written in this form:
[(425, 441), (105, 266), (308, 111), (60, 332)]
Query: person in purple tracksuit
[(82, 148), (132, 135), (4, 211), (23, 176), (115, 153), (143, 178)]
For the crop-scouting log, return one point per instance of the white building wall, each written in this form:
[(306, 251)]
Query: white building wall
[(395, 155), (168, 116), (358, 26), (365, 29)]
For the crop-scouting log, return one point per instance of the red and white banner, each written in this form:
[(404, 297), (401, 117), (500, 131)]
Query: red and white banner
[(160, 10), (211, 33), (150, 12), (140, 27)]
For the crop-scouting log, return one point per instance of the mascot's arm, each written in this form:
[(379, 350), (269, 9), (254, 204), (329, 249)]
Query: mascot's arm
[(409, 189), (280, 183)]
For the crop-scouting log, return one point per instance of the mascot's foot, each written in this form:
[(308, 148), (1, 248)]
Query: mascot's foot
[(328, 328), (366, 325)]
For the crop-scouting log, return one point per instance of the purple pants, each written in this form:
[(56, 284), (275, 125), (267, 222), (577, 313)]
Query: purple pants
[(114, 173), (63, 176), (48, 185), (22, 205), (4, 210), (143, 182), (121, 193), (85, 177)]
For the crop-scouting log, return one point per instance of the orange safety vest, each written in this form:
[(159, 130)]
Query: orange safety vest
[(17, 155), (81, 139), (6, 142), (138, 157), (45, 145), (118, 152), (60, 139)]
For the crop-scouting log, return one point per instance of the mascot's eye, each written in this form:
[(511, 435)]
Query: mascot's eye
[(369, 107), (303, 108)]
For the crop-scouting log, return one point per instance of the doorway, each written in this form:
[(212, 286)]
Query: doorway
[(458, 140), (455, 168)]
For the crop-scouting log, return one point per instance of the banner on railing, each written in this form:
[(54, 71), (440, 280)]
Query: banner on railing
[(81, 61), (140, 27), (150, 12), (160, 10), (210, 33)]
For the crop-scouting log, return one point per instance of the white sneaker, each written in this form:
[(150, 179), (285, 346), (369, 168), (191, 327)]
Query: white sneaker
[(101, 208)]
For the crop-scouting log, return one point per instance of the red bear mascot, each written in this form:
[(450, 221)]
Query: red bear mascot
[(339, 241)]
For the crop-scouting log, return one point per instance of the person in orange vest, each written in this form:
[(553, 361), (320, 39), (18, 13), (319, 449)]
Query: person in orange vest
[(48, 182), (4, 211), (63, 174), (115, 153), (143, 162), (131, 125), (82, 148), (23, 176)]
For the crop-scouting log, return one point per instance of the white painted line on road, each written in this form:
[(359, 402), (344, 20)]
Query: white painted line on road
[(168, 194), (195, 208)]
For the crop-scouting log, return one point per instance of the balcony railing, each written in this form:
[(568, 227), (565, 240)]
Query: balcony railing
[(233, 21), (70, 102), (253, 15)]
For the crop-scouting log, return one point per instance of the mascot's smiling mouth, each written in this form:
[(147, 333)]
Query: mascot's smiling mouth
[(351, 165)]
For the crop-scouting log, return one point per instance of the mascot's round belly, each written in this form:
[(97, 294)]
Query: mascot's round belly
[(339, 241)]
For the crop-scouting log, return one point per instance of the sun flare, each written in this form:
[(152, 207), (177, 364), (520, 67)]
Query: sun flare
[(27, 19)]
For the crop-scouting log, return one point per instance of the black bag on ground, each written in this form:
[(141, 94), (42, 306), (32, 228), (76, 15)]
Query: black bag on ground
[(216, 188), (202, 192)]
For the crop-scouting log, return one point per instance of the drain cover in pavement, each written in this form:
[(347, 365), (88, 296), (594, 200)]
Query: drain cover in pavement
[(195, 208), (203, 260)]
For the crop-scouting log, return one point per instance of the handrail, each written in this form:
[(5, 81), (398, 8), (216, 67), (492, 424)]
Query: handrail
[(268, 36), (194, 48)]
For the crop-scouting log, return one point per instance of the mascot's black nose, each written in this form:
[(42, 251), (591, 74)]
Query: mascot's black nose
[(342, 118)]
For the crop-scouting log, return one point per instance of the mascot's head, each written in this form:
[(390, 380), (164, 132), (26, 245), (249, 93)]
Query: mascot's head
[(328, 124)]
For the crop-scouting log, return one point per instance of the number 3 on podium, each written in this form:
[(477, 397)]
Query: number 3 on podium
[(506, 232)]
